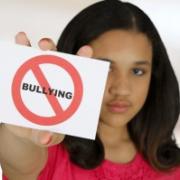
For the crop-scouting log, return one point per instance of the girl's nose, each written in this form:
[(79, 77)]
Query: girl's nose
[(120, 86)]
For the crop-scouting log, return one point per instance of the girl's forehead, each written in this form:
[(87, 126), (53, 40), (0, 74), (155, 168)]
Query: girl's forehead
[(120, 36), (123, 44)]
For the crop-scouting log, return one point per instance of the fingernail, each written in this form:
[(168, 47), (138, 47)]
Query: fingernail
[(21, 33), (46, 39)]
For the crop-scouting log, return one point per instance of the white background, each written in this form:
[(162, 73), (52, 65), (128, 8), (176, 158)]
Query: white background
[(47, 18)]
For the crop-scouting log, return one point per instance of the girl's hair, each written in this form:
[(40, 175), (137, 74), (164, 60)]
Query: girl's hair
[(152, 128)]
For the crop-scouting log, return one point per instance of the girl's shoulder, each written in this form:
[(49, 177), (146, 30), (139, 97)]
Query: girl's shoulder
[(59, 165), (137, 169)]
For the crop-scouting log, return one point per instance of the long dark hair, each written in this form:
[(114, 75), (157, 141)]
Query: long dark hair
[(152, 128)]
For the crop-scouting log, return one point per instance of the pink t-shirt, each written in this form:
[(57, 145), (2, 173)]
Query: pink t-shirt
[(59, 167)]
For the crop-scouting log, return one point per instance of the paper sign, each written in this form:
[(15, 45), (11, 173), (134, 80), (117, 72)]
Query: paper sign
[(50, 90)]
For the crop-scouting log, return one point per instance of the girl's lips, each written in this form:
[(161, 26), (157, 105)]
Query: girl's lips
[(118, 107)]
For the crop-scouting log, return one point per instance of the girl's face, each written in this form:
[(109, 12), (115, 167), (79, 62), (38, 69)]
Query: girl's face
[(130, 54)]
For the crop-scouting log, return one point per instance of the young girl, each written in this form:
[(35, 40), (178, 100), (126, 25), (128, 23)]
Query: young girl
[(139, 111)]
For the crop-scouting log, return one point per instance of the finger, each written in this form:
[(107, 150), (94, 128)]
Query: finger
[(85, 51), (47, 44), (45, 138), (40, 137), (22, 39), (17, 131), (56, 139)]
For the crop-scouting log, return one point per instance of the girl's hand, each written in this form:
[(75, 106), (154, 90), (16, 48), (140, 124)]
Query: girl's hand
[(29, 145), (39, 137)]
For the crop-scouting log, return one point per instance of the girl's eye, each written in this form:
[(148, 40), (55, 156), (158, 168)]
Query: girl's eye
[(138, 72)]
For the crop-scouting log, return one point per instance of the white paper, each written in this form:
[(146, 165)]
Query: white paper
[(15, 69)]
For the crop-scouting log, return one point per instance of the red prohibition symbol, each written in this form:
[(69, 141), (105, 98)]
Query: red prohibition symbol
[(60, 114)]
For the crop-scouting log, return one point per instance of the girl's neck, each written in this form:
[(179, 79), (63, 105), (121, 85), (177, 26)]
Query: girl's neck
[(117, 143), (111, 135)]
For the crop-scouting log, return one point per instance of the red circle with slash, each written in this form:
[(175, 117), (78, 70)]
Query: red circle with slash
[(60, 114)]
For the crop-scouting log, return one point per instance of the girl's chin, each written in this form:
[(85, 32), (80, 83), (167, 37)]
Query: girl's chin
[(114, 123)]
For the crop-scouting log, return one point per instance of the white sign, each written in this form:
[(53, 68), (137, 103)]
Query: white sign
[(50, 90)]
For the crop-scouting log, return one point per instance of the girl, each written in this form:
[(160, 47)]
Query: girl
[(139, 111)]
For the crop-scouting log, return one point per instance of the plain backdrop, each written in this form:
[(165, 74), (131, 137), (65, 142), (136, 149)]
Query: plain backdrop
[(47, 18)]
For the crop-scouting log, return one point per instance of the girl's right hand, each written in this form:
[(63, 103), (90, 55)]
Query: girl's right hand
[(39, 137), (23, 151)]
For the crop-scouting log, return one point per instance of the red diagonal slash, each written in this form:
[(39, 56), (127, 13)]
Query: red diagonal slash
[(43, 82)]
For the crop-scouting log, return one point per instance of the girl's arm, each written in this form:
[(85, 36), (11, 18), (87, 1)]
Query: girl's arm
[(23, 151)]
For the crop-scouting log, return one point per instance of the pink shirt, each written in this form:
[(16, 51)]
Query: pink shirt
[(59, 167)]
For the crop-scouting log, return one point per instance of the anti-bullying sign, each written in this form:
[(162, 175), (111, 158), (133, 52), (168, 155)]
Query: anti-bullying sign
[(50, 90)]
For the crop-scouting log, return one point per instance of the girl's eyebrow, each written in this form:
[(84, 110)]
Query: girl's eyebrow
[(143, 62)]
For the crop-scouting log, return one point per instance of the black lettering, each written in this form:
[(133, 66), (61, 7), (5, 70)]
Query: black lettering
[(50, 91), (44, 90), (69, 95), (25, 86), (55, 94), (61, 94), (32, 87), (38, 89)]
